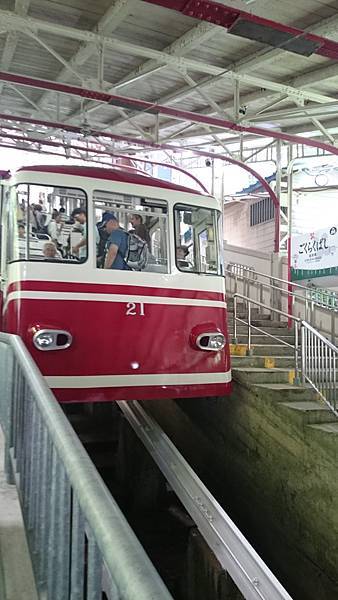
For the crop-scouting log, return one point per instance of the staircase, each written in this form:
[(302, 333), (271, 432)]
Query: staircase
[(269, 370)]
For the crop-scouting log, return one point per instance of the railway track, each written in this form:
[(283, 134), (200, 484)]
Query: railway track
[(164, 527)]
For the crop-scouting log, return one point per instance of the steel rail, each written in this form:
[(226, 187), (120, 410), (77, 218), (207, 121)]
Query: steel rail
[(251, 575)]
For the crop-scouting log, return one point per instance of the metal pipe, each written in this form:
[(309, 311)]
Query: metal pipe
[(249, 327), (296, 353)]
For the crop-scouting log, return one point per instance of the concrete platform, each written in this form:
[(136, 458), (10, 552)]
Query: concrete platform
[(16, 574)]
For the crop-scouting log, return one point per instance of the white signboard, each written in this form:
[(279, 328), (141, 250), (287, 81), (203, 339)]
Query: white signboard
[(315, 254)]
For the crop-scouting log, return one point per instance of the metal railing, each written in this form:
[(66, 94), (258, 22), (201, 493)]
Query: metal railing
[(317, 307), (319, 364), (315, 357), (80, 543), (250, 327)]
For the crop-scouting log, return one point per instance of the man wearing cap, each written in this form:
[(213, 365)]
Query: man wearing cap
[(117, 243)]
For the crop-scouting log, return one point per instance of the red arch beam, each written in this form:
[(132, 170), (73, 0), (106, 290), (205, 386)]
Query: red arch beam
[(155, 146)]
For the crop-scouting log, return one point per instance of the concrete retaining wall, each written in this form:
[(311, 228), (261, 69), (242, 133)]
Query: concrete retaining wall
[(276, 476)]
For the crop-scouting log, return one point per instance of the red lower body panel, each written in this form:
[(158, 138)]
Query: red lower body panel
[(118, 334), (142, 393)]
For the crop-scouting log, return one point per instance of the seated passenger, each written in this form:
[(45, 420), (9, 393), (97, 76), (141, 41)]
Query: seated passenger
[(21, 231), (55, 229), (181, 255), (50, 251), (117, 244), (140, 229)]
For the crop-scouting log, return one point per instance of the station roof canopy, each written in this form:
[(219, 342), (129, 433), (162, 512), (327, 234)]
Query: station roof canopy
[(184, 72)]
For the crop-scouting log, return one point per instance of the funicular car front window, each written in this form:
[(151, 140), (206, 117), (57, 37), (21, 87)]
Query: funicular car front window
[(47, 223), (196, 239), (131, 232)]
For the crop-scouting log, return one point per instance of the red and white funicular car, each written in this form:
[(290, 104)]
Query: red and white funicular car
[(105, 321)]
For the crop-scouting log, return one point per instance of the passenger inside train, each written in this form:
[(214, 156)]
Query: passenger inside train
[(60, 216)]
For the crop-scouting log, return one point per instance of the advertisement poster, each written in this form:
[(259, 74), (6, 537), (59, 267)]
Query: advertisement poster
[(315, 254)]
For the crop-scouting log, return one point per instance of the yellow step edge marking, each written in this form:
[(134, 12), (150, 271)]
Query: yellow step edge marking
[(238, 349), (269, 363), (292, 376)]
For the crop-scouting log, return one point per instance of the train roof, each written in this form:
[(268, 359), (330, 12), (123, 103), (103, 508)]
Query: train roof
[(112, 174)]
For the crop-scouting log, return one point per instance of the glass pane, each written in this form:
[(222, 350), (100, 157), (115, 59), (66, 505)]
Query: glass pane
[(131, 232), (48, 224), (196, 239)]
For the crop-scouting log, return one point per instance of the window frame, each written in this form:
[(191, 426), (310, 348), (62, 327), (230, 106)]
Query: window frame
[(215, 211), (27, 247), (164, 216)]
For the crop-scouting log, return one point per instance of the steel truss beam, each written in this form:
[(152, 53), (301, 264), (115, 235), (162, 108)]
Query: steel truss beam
[(112, 18), (25, 25), (21, 8), (327, 26), (195, 36), (155, 109), (289, 38)]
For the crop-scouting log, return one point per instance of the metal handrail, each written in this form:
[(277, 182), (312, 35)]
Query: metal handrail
[(315, 357), (289, 283), (76, 532), (319, 364), (283, 281), (282, 313), (326, 318), (251, 575)]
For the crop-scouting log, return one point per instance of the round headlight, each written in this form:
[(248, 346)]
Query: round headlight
[(52, 339), (43, 340), (214, 341)]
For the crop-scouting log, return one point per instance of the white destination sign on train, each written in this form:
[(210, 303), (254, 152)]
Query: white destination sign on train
[(315, 254)]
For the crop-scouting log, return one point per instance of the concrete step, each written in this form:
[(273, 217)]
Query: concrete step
[(260, 375), (279, 331), (271, 349), (264, 323), (263, 339), (310, 412), (243, 314), (259, 361), (285, 392), (328, 428)]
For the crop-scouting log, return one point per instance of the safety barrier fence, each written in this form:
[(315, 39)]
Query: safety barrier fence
[(317, 307), (315, 357), (319, 364), (80, 543)]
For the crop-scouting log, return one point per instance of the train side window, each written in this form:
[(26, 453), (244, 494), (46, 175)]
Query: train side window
[(196, 238), (47, 223), (128, 214)]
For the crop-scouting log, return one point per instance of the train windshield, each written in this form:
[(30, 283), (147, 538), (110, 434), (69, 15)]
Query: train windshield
[(198, 240), (47, 223), (117, 215)]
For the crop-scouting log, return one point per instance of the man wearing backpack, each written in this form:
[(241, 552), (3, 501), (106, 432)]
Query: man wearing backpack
[(124, 250), (117, 244)]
